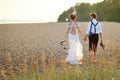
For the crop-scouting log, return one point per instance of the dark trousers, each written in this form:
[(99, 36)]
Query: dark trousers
[(93, 41)]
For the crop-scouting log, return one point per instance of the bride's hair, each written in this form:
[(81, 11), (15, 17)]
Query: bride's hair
[(72, 16)]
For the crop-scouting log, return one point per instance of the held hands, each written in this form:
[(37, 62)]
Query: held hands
[(85, 38)]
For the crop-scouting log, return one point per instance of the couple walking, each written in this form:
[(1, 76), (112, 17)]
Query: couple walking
[(94, 31)]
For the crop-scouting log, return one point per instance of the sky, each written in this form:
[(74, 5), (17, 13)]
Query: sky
[(42, 10)]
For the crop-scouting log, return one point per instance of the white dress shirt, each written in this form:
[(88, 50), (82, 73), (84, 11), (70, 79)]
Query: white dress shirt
[(98, 27)]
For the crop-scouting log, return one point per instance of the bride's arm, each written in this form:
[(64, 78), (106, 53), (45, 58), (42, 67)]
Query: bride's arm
[(80, 31), (67, 32)]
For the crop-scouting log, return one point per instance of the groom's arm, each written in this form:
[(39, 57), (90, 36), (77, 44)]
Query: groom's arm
[(100, 37), (100, 32)]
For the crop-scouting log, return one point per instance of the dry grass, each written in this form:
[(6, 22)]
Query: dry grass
[(33, 52), (50, 69)]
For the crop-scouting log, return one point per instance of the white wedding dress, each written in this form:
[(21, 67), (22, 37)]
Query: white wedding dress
[(75, 47)]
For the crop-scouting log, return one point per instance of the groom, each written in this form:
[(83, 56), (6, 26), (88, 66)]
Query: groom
[(93, 32)]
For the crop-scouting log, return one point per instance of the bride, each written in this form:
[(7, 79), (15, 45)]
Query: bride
[(75, 54)]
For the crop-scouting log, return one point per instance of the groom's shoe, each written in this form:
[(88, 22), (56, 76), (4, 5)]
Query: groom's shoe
[(102, 45)]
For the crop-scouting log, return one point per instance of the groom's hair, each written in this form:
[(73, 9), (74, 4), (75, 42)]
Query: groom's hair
[(93, 15)]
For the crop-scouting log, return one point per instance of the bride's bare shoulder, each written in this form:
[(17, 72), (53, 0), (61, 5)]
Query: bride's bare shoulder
[(77, 25), (69, 23)]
